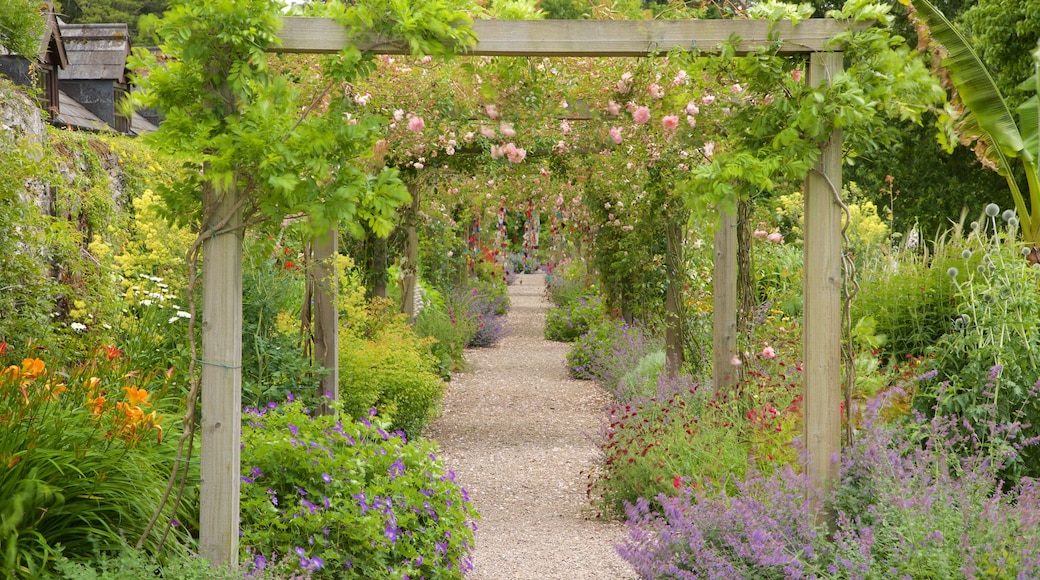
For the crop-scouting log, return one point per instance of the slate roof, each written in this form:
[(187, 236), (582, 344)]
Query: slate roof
[(77, 116), (51, 35), (95, 52)]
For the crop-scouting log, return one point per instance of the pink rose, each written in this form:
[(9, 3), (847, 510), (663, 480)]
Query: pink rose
[(641, 115), (656, 91), (796, 74), (615, 135), (670, 122), (768, 352), (613, 108), (491, 110), (416, 124), (506, 129), (775, 237)]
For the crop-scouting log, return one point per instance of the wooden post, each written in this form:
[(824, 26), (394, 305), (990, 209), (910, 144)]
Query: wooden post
[(410, 263), (724, 286), (673, 328), (221, 377), (822, 288), (326, 313)]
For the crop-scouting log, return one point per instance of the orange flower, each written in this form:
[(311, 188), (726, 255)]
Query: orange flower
[(98, 403), (112, 351), (133, 414), (137, 396), (11, 373), (92, 384), (31, 367)]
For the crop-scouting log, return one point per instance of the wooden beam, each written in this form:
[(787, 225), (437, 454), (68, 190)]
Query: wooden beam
[(822, 288), (724, 290), (585, 37), (221, 379)]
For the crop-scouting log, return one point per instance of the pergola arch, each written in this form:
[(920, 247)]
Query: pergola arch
[(822, 276)]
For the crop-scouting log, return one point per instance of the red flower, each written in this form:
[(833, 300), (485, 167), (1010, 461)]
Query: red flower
[(3, 348), (111, 351), (677, 482), (289, 265)]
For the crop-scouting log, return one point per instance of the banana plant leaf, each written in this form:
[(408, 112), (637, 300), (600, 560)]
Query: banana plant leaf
[(988, 116)]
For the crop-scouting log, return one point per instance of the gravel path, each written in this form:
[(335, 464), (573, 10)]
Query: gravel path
[(517, 432)]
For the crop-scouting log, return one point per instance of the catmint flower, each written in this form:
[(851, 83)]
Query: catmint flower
[(992, 210)]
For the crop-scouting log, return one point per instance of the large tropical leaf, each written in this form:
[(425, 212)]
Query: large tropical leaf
[(986, 106)]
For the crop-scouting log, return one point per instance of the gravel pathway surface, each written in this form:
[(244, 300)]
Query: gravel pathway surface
[(518, 434)]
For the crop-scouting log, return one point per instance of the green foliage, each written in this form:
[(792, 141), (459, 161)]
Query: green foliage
[(989, 119), (449, 335), (131, 563), (777, 139), (984, 368), (384, 365), (83, 463), (657, 446), (26, 291), (1005, 35), (273, 358), (567, 323), (349, 499), (909, 296), (21, 27), (516, 10), (135, 13)]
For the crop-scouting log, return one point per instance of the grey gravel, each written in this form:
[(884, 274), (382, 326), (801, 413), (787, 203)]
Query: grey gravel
[(519, 435)]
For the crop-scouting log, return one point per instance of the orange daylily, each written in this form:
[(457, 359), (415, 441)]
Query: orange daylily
[(137, 396), (11, 373), (112, 351), (98, 403), (31, 367)]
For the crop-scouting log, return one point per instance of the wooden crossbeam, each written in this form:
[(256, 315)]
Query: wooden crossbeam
[(587, 37)]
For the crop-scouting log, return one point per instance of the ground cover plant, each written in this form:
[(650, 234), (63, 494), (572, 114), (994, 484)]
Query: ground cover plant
[(347, 498)]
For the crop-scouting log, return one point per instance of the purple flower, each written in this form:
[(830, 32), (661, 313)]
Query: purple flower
[(326, 478), (294, 429)]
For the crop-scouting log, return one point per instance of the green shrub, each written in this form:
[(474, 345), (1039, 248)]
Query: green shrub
[(910, 297), (390, 368), (348, 499), (449, 337), (567, 323)]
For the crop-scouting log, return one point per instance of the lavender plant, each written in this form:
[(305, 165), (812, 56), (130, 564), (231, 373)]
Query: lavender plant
[(908, 505)]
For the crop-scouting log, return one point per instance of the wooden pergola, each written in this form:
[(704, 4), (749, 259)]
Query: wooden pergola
[(221, 373)]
